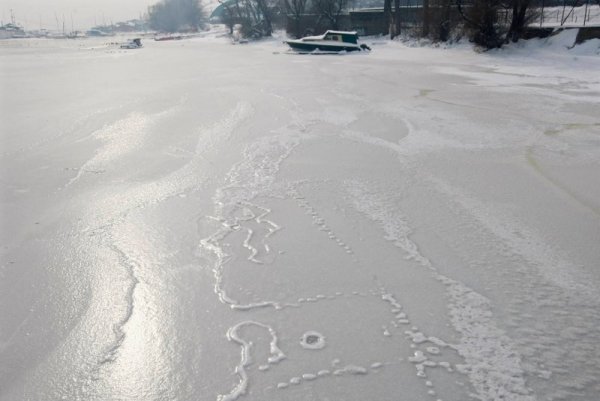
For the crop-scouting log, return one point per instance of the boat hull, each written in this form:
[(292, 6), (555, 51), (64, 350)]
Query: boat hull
[(308, 47)]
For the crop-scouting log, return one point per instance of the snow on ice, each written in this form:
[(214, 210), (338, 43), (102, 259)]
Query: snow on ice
[(200, 221)]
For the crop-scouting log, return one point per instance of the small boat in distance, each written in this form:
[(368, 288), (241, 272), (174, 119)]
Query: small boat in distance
[(329, 42), (132, 44), (76, 35), (167, 37), (12, 30)]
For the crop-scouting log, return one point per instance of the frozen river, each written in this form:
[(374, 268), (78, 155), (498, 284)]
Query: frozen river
[(201, 221)]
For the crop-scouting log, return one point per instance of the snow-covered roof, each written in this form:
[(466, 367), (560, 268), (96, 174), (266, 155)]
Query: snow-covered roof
[(342, 32)]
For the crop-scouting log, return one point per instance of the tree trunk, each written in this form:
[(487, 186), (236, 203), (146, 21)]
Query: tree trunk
[(397, 18), (267, 28), (387, 16), (518, 21), (444, 29), (426, 19)]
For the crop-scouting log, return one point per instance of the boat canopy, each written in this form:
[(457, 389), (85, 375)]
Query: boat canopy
[(340, 36)]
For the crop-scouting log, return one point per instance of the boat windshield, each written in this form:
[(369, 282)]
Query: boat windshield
[(333, 37)]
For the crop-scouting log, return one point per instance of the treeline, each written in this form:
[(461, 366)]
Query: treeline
[(258, 17), (377, 3), (255, 17), (176, 15), (487, 23), (485, 26)]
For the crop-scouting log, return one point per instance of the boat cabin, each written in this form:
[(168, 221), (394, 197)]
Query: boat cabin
[(341, 36)]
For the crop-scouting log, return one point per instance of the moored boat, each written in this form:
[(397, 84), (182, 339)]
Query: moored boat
[(167, 37), (132, 44), (329, 42), (11, 31)]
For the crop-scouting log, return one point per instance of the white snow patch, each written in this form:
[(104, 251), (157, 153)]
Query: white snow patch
[(491, 360)]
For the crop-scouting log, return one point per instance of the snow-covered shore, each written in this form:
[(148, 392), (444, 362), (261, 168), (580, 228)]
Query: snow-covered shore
[(200, 221)]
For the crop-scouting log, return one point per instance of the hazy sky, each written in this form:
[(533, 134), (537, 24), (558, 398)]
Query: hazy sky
[(85, 12)]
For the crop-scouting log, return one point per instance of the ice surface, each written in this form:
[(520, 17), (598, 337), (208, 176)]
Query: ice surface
[(201, 221)]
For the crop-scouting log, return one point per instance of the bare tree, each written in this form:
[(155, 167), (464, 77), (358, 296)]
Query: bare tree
[(445, 23), (487, 29), (521, 16), (253, 15), (175, 15), (481, 20), (396, 21), (426, 19), (295, 9), (331, 10), (229, 15), (387, 15), (265, 26)]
